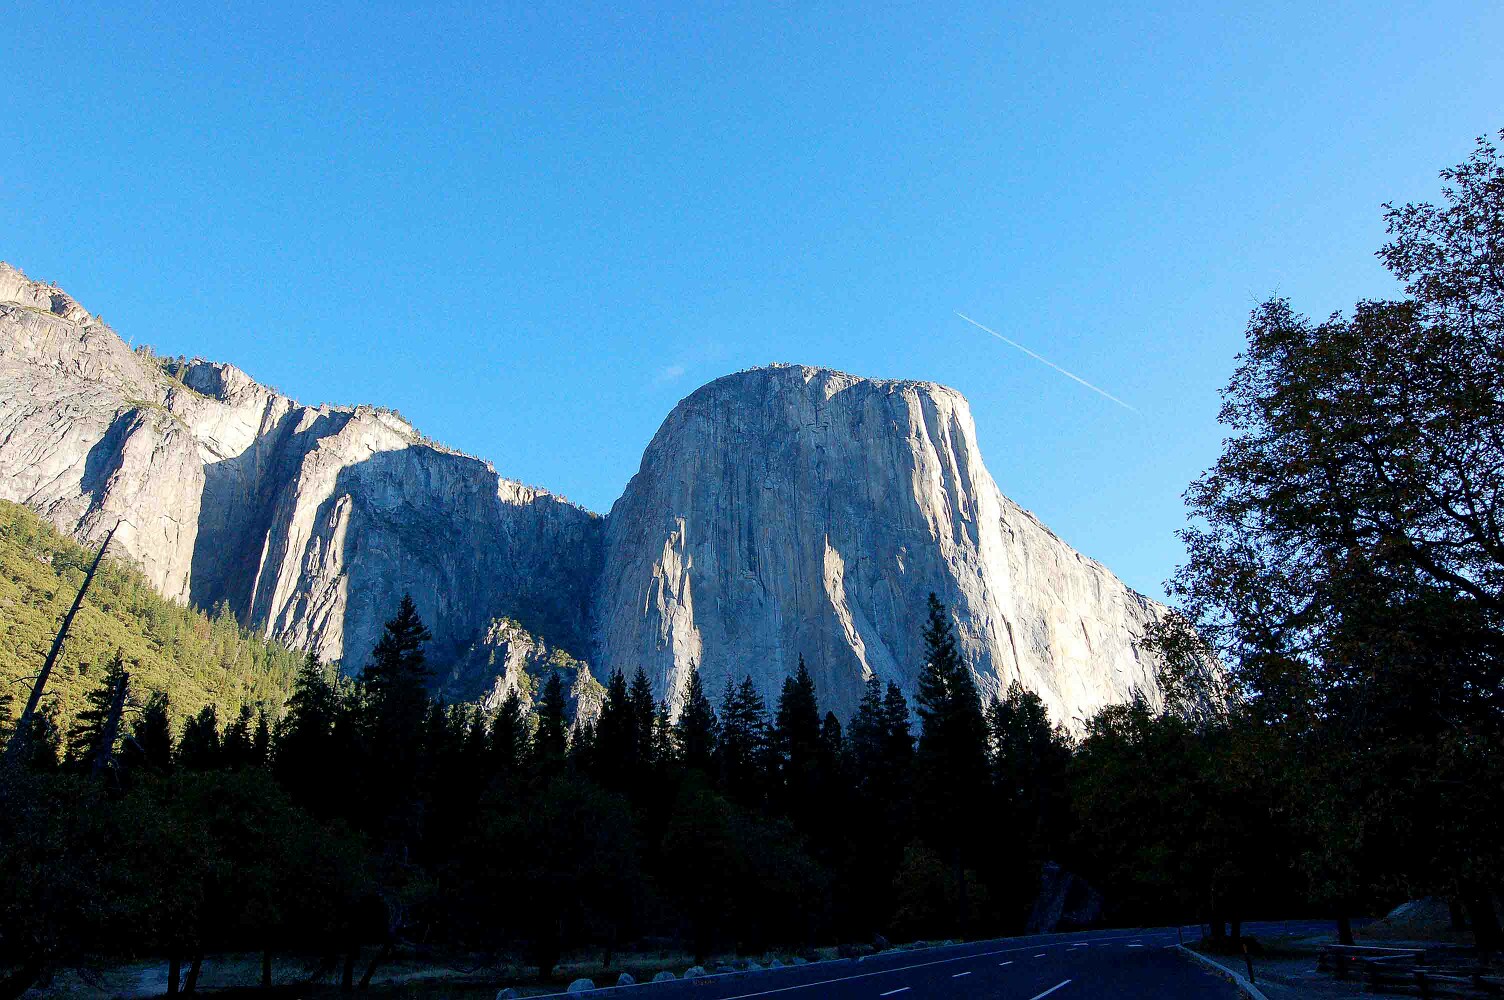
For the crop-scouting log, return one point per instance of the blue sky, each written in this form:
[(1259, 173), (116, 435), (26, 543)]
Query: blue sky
[(535, 230)]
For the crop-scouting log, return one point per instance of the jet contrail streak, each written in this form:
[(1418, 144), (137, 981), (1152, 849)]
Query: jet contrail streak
[(1047, 361)]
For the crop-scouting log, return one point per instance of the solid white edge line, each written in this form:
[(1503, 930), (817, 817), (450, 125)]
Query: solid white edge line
[(958, 975), (1052, 989), (901, 989)]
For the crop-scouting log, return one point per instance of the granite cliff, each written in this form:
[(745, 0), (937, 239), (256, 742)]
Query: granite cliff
[(779, 511)]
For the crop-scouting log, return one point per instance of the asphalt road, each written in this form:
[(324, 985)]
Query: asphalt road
[(1106, 964)]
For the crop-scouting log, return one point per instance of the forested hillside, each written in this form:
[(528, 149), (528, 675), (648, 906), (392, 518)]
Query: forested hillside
[(193, 657)]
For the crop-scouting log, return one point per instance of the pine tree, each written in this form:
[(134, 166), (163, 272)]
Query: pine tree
[(509, 742), (305, 739), (551, 737), (695, 732), (644, 720), (951, 767), (43, 749), (396, 681), (616, 737), (796, 745), (94, 733), (152, 734), (199, 747), (261, 741), (1028, 763), (237, 743), (742, 749)]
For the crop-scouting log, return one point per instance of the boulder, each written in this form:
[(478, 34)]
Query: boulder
[(664, 977), (625, 979), (695, 972), (582, 986)]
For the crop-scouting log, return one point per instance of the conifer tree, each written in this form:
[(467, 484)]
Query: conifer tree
[(616, 738), (199, 747), (509, 743), (152, 734), (306, 735), (696, 731), (742, 750), (92, 734), (644, 719), (261, 741), (238, 738), (951, 767), (551, 738), (796, 745), (396, 680)]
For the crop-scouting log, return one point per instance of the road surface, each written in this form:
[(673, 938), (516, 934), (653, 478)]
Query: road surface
[(1084, 966)]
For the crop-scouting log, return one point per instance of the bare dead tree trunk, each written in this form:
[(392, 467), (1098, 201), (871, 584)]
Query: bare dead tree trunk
[(22, 733), (174, 975)]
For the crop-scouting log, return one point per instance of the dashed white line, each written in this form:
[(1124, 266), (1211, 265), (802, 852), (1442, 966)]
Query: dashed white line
[(901, 989), (960, 974), (1040, 955), (1052, 989), (1009, 962)]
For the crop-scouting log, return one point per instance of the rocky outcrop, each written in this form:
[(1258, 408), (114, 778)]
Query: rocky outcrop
[(777, 512), (310, 522), (793, 510), (507, 659)]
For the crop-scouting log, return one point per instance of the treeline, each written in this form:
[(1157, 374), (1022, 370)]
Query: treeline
[(371, 817)]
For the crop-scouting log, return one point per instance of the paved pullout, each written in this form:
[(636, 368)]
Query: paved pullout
[(1092, 964)]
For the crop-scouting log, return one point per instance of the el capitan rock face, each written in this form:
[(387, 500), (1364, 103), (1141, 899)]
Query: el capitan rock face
[(793, 510), (780, 511)]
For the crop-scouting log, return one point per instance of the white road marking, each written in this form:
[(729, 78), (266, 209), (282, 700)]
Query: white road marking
[(1009, 962), (1135, 946), (960, 974), (901, 989), (903, 968), (1052, 989)]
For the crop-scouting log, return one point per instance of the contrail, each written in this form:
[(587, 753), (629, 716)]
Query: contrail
[(1044, 360)]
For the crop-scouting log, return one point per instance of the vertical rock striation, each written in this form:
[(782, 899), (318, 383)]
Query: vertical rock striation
[(793, 510)]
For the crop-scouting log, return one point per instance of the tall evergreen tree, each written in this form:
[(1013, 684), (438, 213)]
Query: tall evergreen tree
[(644, 719), (509, 742), (396, 680), (616, 739), (199, 746), (696, 730), (742, 750), (238, 739), (95, 733), (551, 738), (796, 745), (152, 734), (306, 735), (951, 773)]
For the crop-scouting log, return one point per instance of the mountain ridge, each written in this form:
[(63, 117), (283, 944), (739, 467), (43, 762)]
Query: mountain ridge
[(309, 521)]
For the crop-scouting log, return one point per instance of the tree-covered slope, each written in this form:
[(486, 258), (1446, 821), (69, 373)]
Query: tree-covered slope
[(196, 658)]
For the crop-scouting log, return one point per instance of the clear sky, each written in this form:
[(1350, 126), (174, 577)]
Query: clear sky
[(533, 231)]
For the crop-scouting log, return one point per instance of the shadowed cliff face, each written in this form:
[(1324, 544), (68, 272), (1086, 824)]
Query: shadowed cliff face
[(780, 511)]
